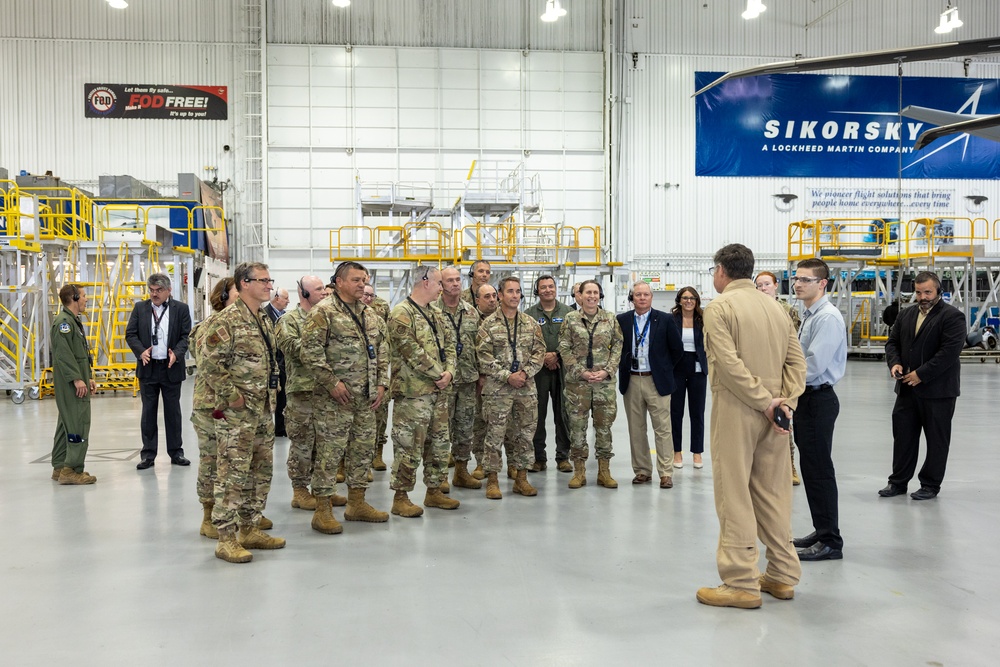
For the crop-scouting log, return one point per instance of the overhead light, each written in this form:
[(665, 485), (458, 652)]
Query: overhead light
[(553, 11), (117, 4), (754, 9), (341, 3), (949, 20)]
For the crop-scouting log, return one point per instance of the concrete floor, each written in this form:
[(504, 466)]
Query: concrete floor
[(116, 573)]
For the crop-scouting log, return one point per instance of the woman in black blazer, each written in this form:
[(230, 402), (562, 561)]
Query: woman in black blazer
[(690, 376)]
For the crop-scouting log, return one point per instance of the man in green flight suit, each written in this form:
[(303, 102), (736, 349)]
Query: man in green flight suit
[(73, 386)]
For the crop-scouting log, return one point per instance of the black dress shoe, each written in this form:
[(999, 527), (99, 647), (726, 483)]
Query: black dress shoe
[(805, 542), (820, 551), (179, 461), (923, 493), (892, 490), (146, 463)]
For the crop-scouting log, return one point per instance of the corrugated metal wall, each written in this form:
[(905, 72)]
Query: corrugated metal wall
[(485, 24), (51, 49), (670, 220)]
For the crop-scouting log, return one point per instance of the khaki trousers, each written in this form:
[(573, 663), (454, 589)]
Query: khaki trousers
[(753, 499), (641, 399)]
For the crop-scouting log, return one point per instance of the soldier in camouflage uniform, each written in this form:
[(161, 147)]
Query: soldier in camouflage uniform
[(73, 383), (590, 345), (381, 308), (344, 343), (511, 349), (423, 367), (241, 371), (487, 300), (299, 411), (462, 404), (479, 273)]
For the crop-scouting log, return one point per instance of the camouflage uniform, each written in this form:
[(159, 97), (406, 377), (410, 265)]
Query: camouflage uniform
[(382, 309), (468, 297), (204, 401), (299, 402), (510, 413), (420, 411), (582, 397), (70, 362), (462, 402), (334, 347), (238, 358)]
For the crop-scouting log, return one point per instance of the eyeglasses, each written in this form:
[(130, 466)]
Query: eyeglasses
[(266, 281), (804, 279), (711, 271), (688, 298)]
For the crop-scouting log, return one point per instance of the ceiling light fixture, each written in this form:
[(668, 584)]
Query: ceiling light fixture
[(553, 11), (949, 20), (117, 4), (341, 3), (754, 9)]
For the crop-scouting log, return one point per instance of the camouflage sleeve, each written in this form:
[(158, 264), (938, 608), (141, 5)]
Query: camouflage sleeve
[(289, 337), (407, 347), (568, 348), (216, 356), (449, 342), (533, 364), (617, 340), (488, 364), (382, 356), (312, 352)]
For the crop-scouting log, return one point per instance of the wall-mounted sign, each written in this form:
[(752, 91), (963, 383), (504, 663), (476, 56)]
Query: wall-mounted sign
[(883, 201), (117, 100), (839, 126)]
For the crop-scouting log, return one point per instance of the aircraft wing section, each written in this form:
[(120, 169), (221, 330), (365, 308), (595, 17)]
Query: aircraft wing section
[(868, 58), (985, 127), (936, 116)]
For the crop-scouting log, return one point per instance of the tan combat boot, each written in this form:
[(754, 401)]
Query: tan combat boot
[(229, 548), (511, 472), (338, 500), (251, 537), (55, 474), (493, 487), (579, 475), (479, 473), (604, 477), (323, 520), (451, 461), (302, 499), (522, 485), (434, 498), (402, 506), (265, 523), (340, 472), (378, 463), (444, 487), (463, 479), (359, 510), (207, 529), (68, 476)]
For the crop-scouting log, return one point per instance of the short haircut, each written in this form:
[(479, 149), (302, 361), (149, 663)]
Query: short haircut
[(245, 271), (600, 290), (454, 268), (539, 279), (640, 282), (480, 291), (220, 293), (423, 272), (576, 288), (158, 280), (736, 259), (481, 261), (928, 276), (344, 267), (819, 266), (67, 292), (505, 280)]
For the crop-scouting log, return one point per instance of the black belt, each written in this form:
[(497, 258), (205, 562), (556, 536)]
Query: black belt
[(642, 374), (159, 361), (822, 387)]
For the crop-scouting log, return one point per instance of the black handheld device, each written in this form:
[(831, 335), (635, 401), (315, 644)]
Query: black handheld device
[(781, 419)]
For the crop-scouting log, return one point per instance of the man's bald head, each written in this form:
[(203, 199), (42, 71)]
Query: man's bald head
[(315, 287)]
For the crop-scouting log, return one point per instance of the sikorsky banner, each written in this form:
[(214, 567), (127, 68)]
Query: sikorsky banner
[(117, 100), (840, 126)]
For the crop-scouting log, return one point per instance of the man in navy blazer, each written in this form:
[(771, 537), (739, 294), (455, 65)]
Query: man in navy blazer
[(923, 355), (646, 379), (157, 332)]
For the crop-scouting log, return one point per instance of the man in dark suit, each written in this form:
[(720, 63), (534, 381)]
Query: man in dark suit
[(646, 379), (922, 354), (275, 309), (157, 332)]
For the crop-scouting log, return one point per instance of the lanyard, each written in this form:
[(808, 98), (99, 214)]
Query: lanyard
[(458, 328), (639, 338), (590, 342), (511, 341), (437, 341), (157, 320), (357, 323), (272, 365)]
